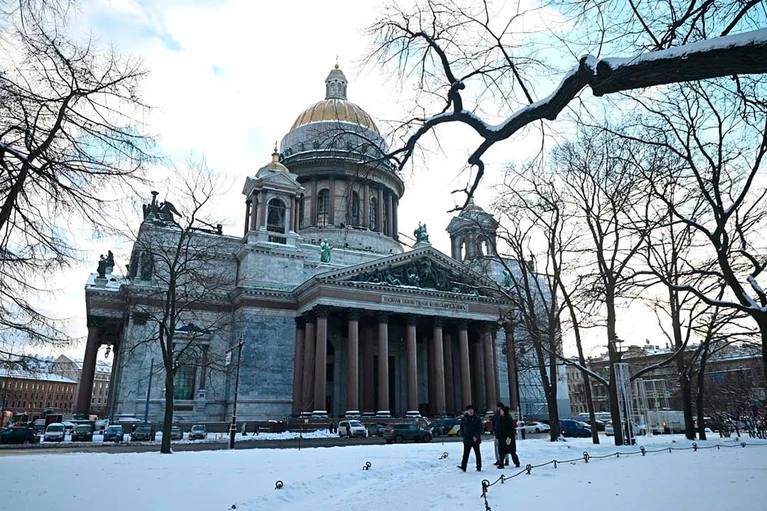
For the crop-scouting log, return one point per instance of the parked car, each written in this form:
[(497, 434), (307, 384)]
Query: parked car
[(68, 426), (175, 433), (82, 433), (533, 427), (19, 434), (198, 432), (638, 429), (114, 433), (351, 428), (143, 433), (406, 431), (584, 417), (573, 428), (54, 432), (487, 422), (376, 429), (446, 426), (39, 425)]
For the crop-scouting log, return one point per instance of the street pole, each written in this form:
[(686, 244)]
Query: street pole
[(148, 390), (233, 425)]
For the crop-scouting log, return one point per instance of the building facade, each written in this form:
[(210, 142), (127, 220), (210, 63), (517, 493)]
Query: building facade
[(732, 371), (72, 370), (35, 393), (334, 316)]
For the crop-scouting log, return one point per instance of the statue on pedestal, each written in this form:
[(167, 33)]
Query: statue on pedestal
[(420, 233), (325, 251)]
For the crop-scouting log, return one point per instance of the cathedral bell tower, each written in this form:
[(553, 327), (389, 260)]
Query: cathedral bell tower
[(473, 234), (272, 201)]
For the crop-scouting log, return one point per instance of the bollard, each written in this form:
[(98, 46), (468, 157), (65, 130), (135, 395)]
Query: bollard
[(585, 456), (443, 456), (743, 444), (529, 468), (642, 450), (503, 478), (367, 465), (278, 485), (618, 454), (485, 485), (555, 463), (694, 447)]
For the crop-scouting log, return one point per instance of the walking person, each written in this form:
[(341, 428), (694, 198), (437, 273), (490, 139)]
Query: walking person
[(471, 432), (495, 420), (506, 434)]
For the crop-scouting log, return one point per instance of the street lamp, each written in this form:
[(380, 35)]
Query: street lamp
[(233, 425)]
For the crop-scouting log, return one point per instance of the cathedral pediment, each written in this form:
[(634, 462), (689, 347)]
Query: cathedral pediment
[(424, 269)]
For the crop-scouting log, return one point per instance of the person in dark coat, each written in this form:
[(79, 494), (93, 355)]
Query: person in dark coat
[(506, 434), (471, 432)]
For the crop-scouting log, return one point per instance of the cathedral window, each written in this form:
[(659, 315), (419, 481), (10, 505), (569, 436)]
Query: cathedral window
[(386, 218), (183, 382), (373, 210), (275, 218), (323, 207), (355, 209)]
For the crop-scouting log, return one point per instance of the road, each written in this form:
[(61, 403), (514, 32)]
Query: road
[(43, 448)]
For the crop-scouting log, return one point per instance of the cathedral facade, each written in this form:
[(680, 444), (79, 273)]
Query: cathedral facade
[(335, 317)]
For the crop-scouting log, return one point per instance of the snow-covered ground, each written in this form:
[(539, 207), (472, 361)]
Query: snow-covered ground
[(403, 476)]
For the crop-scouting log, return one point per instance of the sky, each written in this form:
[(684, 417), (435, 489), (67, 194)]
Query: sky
[(228, 78)]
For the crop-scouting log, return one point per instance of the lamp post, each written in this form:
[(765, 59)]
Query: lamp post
[(233, 425), (148, 391)]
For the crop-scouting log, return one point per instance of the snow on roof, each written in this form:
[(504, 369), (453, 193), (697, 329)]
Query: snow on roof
[(33, 375)]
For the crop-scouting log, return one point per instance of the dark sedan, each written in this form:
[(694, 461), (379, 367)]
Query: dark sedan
[(402, 432), (114, 433), (143, 433), (574, 428), (18, 435), (82, 433)]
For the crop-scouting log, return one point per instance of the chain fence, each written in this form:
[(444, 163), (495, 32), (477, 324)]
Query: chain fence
[(585, 457)]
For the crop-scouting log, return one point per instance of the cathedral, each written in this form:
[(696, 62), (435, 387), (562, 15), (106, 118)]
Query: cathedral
[(323, 311)]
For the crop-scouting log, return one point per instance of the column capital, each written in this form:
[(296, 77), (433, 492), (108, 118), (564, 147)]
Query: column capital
[(411, 319), (437, 322), (321, 312), (383, 317), (248, 201), (463, 324), (300, 321), (353, 314)]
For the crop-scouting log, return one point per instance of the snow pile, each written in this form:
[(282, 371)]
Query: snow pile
[(409, 476)]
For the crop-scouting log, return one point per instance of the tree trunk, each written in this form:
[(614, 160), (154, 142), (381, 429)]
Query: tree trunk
[(167, 421), (762, 322), (684, 382), (699, 401), (555, 430), (612, 389)]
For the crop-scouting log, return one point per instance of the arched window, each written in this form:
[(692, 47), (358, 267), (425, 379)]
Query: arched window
[(323, 207), (275, 217), (372, 223), (355, 220)]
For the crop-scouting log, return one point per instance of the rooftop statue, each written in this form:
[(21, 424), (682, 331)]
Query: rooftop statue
[(106, 264), (325, 251), (420, 233), (163, 211)]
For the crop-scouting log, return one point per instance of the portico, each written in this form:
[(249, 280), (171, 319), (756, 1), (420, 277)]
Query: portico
[(367, 344)]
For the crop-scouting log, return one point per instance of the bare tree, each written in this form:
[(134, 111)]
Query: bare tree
[(533, 196), (69, 142), (179, 281), (718, 136), (611, 204), (474, 62)]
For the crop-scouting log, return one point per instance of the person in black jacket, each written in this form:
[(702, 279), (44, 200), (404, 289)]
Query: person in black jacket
[(471, 431), (506, 433)]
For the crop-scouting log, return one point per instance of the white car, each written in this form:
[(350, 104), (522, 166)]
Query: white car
[(54, 432), (351, 428), (638, 430), (533, 427)]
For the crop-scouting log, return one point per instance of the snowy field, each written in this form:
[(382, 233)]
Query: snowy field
[(409, 475)]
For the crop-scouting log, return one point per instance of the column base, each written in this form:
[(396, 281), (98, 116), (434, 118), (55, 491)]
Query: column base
[(368, 414), (351, 413), (385, 414), (320, 413), (412, 413)]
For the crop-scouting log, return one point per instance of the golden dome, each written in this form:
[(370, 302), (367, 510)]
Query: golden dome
[(335, 109), (274, 165)]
